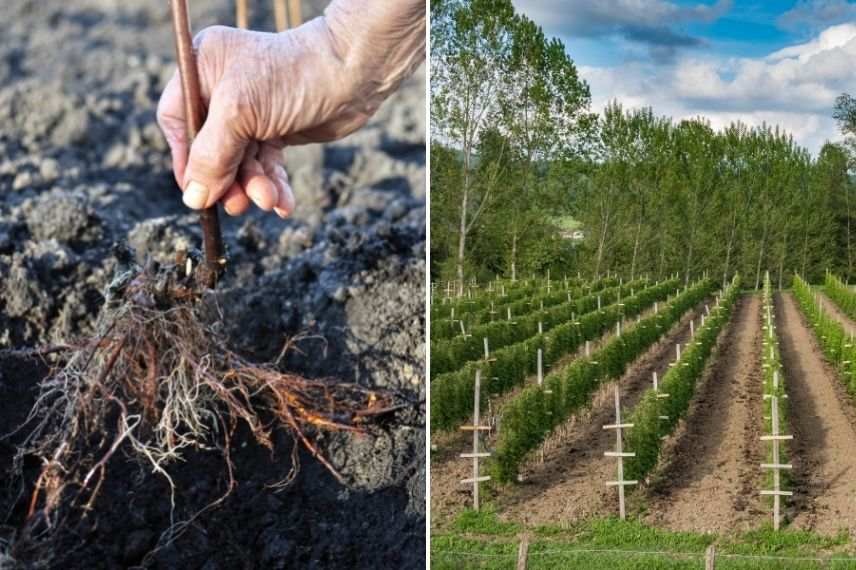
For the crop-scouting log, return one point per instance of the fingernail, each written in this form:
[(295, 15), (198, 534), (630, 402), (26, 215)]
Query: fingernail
[(259, 197), (281, 213), (196, 196)]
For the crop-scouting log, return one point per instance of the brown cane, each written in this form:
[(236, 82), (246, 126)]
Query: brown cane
[(215, 260)]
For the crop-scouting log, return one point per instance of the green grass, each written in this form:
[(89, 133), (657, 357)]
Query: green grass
[(484, 521), (481, 540)]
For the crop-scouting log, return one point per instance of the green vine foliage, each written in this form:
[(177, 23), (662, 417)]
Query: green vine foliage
[(841, 295), (451, 354), (527, 419), (452, 393), (475, 301), (838, 346), (447, 328)]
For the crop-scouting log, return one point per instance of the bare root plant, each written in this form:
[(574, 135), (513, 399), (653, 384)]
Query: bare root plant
[(158, 378)]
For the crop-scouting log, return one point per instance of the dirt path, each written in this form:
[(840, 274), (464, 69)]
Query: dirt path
[(824, 446), (830, 307), (710, 478), (570, 484)]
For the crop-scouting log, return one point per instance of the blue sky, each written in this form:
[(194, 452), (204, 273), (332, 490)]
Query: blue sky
[(780, 62)]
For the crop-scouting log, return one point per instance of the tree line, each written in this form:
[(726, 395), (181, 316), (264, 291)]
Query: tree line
[(517, 156)]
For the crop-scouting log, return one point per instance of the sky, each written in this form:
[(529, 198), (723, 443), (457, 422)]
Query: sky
[(780, 62)]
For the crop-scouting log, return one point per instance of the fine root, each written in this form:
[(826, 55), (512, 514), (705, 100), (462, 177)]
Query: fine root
[(157, 378)]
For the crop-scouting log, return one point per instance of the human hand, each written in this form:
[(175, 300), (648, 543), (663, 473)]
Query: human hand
[(316, 83)]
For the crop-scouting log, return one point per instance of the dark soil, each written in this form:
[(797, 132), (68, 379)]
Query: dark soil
[(709, 477), (822, 420), (83, 166)]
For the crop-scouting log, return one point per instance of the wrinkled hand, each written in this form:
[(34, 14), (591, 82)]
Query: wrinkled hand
[(262, 91)]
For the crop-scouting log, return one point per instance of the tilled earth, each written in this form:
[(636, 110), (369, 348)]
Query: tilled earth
[(83, 166)]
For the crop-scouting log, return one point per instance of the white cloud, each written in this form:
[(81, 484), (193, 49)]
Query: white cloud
[(656, 24), (829, 39), (816, 14), (794, 87)]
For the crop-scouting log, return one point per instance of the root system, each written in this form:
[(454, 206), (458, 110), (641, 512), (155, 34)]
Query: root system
[(158, 378)]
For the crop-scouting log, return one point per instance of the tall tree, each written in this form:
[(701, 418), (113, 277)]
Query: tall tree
[(470, 55), (543, 108)]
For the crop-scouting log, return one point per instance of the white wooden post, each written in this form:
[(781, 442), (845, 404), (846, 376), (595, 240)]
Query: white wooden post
[(487, 357), (476, 454), (660, 396), (619, 454), (540, 327), (546, 393), (463, 331), (677, 355), (776, 465)]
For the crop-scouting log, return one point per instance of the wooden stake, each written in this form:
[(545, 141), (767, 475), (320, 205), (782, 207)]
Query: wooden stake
[(546, 393), (775, 438), (776, 473), (241, 14), (619, 454), (463, 330), (523, 552), (476, 454), (710, 558), (487, 357), (280, 15)]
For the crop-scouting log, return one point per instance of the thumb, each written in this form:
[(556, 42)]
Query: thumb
[(215, 155)]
